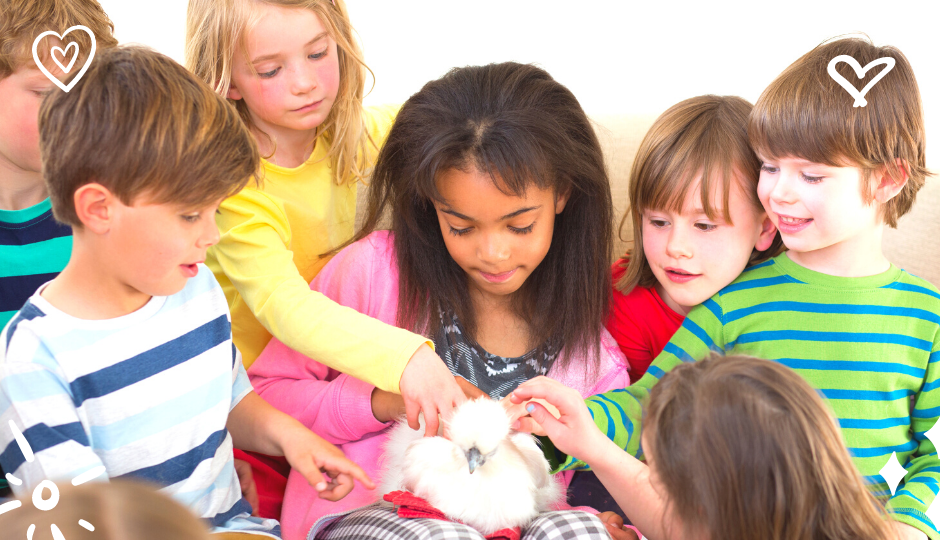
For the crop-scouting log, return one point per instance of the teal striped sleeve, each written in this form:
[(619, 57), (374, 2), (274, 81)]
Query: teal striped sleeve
[(921, 484), (617, 413)]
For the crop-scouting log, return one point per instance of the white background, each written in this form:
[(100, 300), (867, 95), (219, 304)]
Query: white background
[(616, 56)]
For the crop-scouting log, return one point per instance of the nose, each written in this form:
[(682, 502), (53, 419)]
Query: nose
[(678, 246), (493, 248), (304, 79), (209, 236), (781, 191)]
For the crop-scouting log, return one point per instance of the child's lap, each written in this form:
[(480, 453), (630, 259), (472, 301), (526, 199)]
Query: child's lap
[(380, 522)]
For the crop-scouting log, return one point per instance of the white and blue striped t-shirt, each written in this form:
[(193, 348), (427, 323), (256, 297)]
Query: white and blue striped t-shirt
[(146, 395)]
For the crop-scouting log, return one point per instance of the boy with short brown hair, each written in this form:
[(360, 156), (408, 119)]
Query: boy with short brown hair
[(863, 332), (125, 360)]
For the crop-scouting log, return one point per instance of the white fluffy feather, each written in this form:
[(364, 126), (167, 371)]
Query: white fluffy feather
[(510, 488)]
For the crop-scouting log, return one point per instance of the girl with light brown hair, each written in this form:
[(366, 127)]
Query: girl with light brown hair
[(736, 448), (696, 222)]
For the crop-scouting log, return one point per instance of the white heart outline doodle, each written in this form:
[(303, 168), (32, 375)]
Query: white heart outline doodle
[(860, 72), (63, 53), (45, 71)]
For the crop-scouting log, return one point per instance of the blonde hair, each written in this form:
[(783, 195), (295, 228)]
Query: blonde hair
[(215, 34), (704, 135), (805, 113), (745, 449), (22, 20), (118, 510), (168, 136)]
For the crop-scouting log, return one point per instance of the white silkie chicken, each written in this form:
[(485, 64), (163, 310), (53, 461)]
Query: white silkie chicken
[(480, 472)]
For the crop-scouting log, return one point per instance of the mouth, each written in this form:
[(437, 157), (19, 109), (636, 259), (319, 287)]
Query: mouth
[(498, 278), (308, 107), (190, 270), (792, 225), (678, 275)]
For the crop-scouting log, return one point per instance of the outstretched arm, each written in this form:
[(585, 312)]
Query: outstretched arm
[(574, 433)]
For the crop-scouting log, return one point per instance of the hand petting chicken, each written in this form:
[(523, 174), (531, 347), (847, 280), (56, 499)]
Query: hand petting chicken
[(479, 472)]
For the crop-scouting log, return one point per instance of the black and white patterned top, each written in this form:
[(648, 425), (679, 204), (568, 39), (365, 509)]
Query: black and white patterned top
[(495, 375)]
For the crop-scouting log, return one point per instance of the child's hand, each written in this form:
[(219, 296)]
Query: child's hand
[(517, 411), (573, 432), (429, 387), (247, 482), (614, 524), (310, 455), (387, 406)]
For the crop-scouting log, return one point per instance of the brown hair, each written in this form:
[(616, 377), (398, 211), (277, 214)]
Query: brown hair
[(805, 113), (139, 124), (521, 127), (22, 20), (215, 34), (704, 135), (745, 448), (118, 510)]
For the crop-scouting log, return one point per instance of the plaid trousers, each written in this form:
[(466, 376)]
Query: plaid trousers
[(381, 522)]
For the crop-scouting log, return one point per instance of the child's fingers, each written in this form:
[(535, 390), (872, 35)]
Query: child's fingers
[(550, 425), (338, 488), (411, 413), (527, 424), (342, 466), (309, 470)]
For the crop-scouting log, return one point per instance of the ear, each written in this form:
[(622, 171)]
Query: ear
[(767, 234), (94, 205), (561, 200), (887, 185), (233, 92)]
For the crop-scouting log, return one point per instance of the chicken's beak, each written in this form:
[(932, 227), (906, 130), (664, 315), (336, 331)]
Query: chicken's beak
[(475, 459)]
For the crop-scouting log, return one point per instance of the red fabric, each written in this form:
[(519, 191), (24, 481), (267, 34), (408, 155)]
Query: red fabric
[(411, 506), (640, 322), (270, 474)]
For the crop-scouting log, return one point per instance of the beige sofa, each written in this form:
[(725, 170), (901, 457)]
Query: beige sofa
[(910, 246)]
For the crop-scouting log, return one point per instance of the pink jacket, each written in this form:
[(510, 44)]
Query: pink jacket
[(364, 276)]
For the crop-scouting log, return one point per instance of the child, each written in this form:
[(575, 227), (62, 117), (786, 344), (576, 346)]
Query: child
[(736, 448), (119, 510), (860, 330), (697, 222), (33, 246), (296, 75), (124, 361), (501, 228)]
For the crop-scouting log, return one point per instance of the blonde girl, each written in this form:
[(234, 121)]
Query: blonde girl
[(697, 222), (296, 75)]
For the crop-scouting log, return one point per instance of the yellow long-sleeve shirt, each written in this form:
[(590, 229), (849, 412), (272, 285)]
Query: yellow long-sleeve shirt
[(271, 240)]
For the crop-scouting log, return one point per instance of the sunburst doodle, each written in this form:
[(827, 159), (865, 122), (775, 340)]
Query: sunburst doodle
[(40, 502)]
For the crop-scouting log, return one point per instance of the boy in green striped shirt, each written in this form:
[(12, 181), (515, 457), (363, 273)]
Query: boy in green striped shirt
[(863, 332)]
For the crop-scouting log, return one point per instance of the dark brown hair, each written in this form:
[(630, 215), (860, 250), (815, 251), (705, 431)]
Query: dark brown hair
[(118, 510), (22, 20), (138, 123), (805, 113), (702, 136), (518, 125), (746, 449)]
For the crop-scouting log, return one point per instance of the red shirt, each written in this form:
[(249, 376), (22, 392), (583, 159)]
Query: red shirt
[(641, 322)]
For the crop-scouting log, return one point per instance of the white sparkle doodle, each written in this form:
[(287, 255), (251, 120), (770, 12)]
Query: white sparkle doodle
[(41, 503)]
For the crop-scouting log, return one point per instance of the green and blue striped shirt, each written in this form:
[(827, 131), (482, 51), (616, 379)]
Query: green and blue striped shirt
[(870, 345)]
